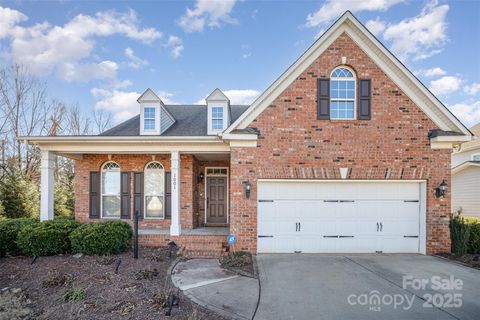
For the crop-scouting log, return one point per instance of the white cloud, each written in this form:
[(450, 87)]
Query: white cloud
[(134, 61), (8, 19), (66, 49), (122, 104), (445, 85), (468, 113), (434, 72), (421, 36), (376, 26), (332, 9), (175, 44), (167, 97), (87, 71), (472, 89), (237, 96), (207, 12)]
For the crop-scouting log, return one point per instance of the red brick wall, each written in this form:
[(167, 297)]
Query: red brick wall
[(134, 163), (293, 144)]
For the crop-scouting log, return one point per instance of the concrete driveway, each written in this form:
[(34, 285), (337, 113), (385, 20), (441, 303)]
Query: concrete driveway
[(365, 286)]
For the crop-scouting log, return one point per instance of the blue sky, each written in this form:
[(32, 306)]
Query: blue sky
[(104, 54)]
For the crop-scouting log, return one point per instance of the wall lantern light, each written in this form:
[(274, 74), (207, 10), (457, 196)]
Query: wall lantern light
[(200, 177), (248, 188), (441, 189)]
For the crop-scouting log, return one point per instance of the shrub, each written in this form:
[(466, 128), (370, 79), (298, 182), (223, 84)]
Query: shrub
[(9, 229), (474, 239), (465, 235), (47, 237), (101, 238), (459, 232)]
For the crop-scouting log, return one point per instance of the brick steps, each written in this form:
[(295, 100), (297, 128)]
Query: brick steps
[(194, 246)]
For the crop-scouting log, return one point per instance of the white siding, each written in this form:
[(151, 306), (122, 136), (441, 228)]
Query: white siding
[(466, 191), (461, 157)]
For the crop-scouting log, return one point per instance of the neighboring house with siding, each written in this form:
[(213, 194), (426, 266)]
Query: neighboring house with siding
[(466, 177), (344, 152)]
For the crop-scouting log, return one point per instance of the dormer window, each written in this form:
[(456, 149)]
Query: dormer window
[(218, 112), (149, 118), (217, 118)]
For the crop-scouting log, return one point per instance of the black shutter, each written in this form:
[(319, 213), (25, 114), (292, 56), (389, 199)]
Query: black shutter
[(94, 195), (138, 194), (323, 99), (364, 99), (168, 194), (125, 195)]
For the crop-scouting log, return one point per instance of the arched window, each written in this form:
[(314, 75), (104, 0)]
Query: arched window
[(342, 94), (154, 190), (110, 190)]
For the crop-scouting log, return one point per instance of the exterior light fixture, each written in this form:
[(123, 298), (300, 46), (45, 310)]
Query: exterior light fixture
[(441, 189), (200, 177), (248, 188)]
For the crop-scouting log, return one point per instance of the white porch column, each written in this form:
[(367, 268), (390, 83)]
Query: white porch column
[(46, 185), (175, 227)]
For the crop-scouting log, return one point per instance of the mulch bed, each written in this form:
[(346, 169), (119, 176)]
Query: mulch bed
[(472, 260), (92, 288), (240, 262)]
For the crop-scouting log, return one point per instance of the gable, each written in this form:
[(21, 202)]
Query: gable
[(394, 69)]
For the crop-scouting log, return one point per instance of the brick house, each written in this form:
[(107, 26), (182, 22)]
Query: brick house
[(345, 152)]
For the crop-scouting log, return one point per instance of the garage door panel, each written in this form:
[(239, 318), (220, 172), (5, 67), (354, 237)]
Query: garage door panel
[(338, 217)]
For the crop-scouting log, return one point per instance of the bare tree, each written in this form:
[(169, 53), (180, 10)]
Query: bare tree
[(24, 112), (77, 124), (103, 120)]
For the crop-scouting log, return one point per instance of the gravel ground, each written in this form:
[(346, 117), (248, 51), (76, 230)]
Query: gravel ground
[(40, 290)]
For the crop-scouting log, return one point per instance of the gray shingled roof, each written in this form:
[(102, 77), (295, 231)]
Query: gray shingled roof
[(190, 120)]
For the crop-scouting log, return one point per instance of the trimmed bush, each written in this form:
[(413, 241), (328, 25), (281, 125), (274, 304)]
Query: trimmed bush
[(47, 237), (9, 229), (101, 238), (465, 235), (474, 239)]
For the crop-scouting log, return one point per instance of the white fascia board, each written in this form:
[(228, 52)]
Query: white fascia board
[(147, 147), (117, 139), (453, 139), (463, 166), (239, 136), (399, 74)]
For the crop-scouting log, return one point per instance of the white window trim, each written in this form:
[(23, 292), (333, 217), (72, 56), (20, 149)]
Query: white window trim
[(474, 155), (354, 78), (101, 189), (154, 118), (155, 105), (222, 118), (145, 195), (228, 190)]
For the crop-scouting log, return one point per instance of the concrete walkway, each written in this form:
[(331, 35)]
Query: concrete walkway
[(209, 285)]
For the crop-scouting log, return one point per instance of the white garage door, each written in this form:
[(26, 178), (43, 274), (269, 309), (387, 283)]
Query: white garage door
[(312, 216)]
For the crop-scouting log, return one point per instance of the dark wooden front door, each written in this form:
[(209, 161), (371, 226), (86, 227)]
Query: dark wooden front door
[(217, 200)]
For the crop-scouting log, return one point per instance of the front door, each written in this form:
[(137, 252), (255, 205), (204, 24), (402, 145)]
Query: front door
[(217, 200)]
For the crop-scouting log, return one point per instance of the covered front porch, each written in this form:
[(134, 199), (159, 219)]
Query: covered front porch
[(189, 195)]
